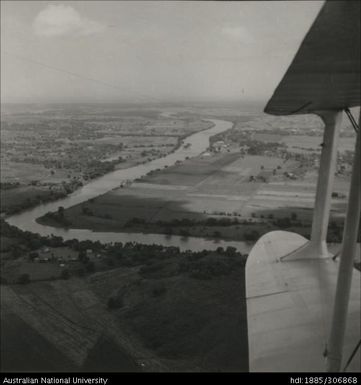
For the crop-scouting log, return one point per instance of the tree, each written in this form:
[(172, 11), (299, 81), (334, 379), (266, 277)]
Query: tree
[(90, 267), (35, 243), (158, 289), (61, 211), (81, 272), (251, 235), (115, 302), (24, 279), (33, 255), (65, 274), (283, 222), (16, 252), (82, 256), (168, 231), (184, 233), (110, 262), (231, 251), (86, 211)]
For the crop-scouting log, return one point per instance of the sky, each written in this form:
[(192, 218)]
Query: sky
[(148, 51)]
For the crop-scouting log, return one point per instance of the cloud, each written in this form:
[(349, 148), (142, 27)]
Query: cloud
[(238, 33), (61, 20)]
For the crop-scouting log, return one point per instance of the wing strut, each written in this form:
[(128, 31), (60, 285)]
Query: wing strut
[(344, 279), (317, 247)]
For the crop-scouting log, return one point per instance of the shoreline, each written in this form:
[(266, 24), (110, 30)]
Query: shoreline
[(232, 233), (27, 222), (123, 166)]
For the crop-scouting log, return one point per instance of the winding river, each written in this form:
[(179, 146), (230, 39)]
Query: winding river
[(198, 143)]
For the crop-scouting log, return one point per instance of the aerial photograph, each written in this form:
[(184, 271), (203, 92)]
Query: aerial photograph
[(180, 189)]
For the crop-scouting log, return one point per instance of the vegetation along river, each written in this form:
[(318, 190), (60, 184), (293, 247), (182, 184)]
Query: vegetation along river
[(199, 142)]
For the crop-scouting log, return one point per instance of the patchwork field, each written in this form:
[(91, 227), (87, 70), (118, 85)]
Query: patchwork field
[(68, 320), (26, 173), (223, 185), (22, 197), (174, 314), (168, 313), (304, 143)]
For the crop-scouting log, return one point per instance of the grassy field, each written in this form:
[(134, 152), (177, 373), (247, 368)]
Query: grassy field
[(26, 173), (297, 143), (22, 197), (218, 186), (175, 314), (171, 314), (66, 321), (191, 323), (194, 189), (25, 349)]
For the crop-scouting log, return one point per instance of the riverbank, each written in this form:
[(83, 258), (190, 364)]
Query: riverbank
[(161, 308), (24, 197), (245, 231), (206, 197), (133, 139), (193, 146), (18, 198)]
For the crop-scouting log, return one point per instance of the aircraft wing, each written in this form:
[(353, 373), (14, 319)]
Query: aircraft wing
[(290, 301), (289, 307), (325, 73)]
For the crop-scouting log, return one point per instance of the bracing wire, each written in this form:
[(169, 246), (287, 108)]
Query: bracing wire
[(352, 355), (352, 120)]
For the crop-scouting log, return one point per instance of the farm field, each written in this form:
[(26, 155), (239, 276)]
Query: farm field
[(176, 314), (26, 173), (25, 196), (69, 320), (218, 186), (61, 148), (313, 143), (171, 313), (36, 352), (190, 190), (177, 186)]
